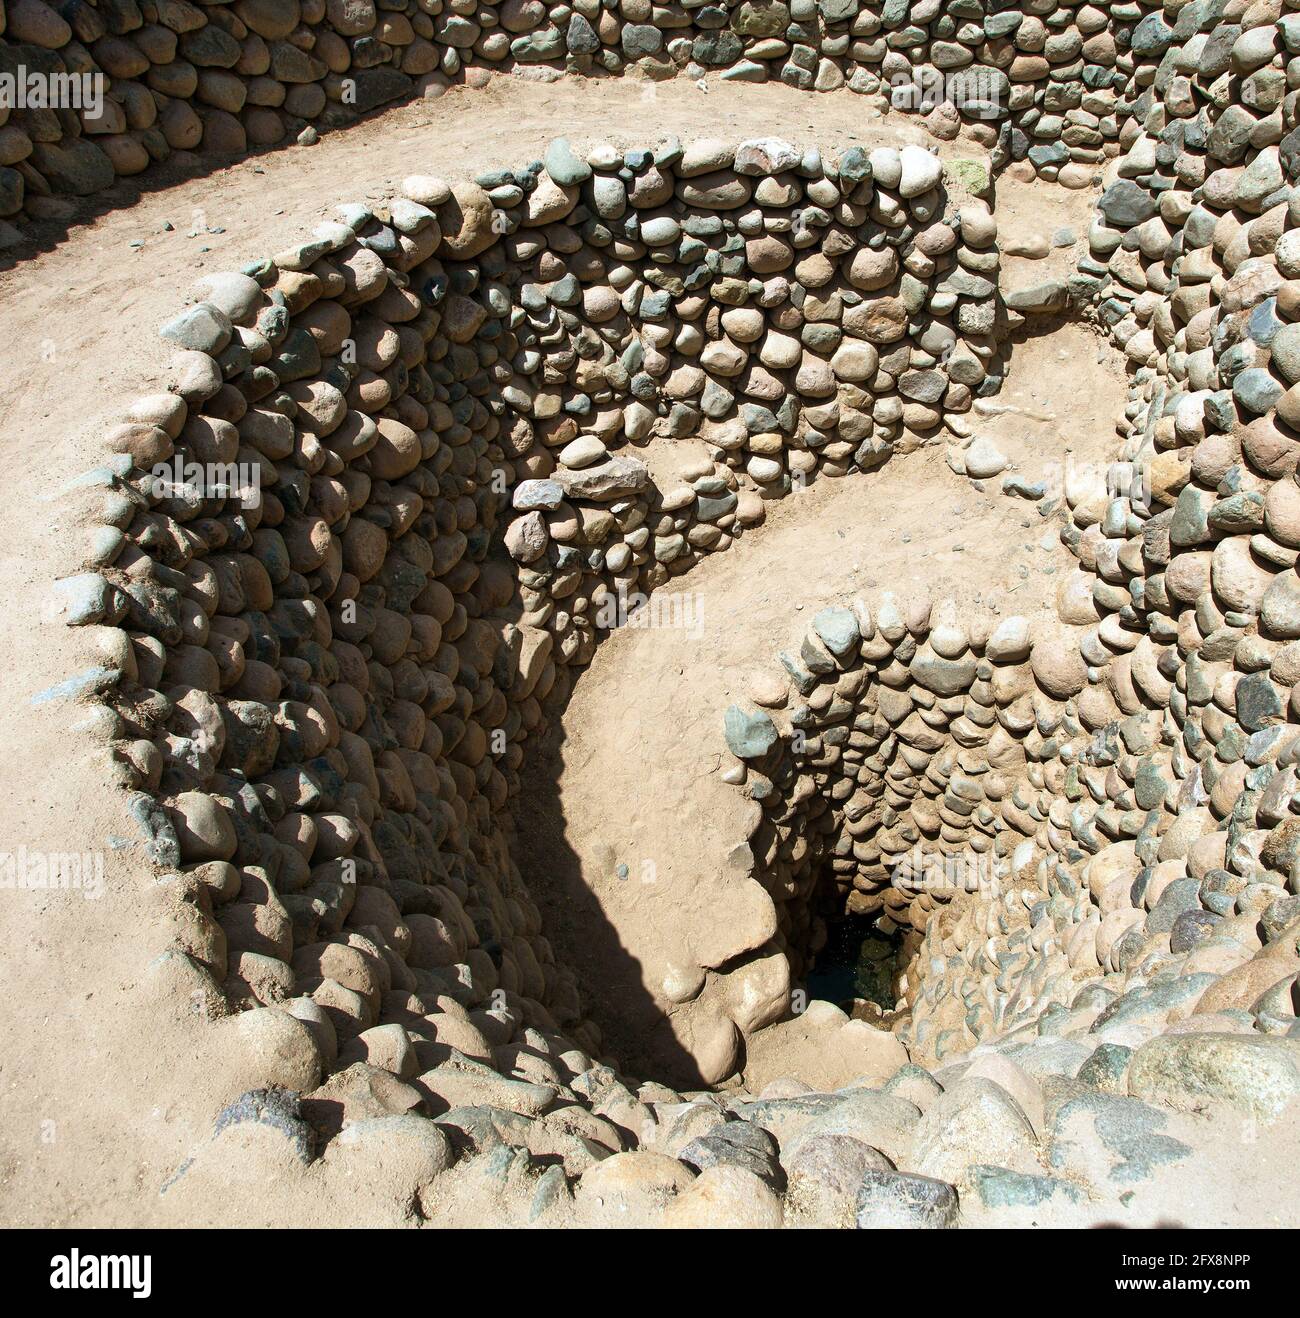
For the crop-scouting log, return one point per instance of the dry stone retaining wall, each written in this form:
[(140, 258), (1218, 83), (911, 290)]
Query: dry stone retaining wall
[(320, 696), (319, 700), (1157, 799), (1051, 83)]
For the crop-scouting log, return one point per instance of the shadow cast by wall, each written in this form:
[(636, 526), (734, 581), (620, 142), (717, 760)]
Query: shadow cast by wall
[(635, 1029)]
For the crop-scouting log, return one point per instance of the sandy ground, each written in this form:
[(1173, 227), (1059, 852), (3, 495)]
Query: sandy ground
[(103, 1092)]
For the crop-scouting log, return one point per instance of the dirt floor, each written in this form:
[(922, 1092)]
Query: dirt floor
[(104, 1092)]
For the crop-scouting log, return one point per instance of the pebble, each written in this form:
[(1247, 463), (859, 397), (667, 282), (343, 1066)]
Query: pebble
[(983, 458)]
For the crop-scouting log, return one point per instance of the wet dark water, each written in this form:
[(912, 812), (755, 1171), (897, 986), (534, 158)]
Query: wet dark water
[(858, 961)]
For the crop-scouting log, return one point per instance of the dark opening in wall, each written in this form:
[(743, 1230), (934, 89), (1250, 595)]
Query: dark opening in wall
[(859, 961)]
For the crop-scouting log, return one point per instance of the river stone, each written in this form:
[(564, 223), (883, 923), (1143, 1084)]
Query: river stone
[(425, 190), (919, 171), (580, 38), (945, 677), (582, 452), (976, 1121), (1280, 607), (641, 39), (616, 478), (546, 495), (983, 459), (1039, 299), (526, 537), (1058, 667), (200, 328), (750, 735), (73, 165), (898, 1200), (766, 155), (1256, 1075), (465, 220), (838, 629), (1125, 204)]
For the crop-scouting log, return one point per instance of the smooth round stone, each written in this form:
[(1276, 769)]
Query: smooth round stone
[(1238, 580), (886, 166), (855, 361), (978, 226), (583, 452), (936, 239), (948, 638), (235, 295), (766, 470), (984, 459), (1280, 609), (750, 734), (768, 689), (609, 196), (1287, 254), (1058, 667), (200, 328), (564, 165), (1009, 642), (600, 303), (1076, 175), (426, 189), (1256, 390), (1282, 512), (1286, 353), (705, 156), (919, 171), (660, 231)]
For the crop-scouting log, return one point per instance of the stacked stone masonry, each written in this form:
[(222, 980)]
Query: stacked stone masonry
[(318, 701), (1052, 83)]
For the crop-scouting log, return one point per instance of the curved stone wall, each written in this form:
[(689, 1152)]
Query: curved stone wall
[(1155, 804), (427, 417), (1045, 82), (317, 689), (903, 771)]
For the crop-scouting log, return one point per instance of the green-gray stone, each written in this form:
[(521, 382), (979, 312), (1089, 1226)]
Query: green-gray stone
[(563, 165), (750, 734)]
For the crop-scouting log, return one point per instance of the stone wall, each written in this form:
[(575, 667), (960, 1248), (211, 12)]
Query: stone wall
[(1157, 805), (318, 701), (1049, 82), (913, 740), (320, 694)]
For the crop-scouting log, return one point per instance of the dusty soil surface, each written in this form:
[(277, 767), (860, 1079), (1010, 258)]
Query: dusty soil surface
[(599, 795), (105, 1087)]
